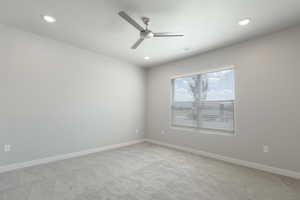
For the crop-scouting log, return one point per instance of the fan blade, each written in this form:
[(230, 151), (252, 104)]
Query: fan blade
[(168, 34), (137, 43), (130, 20)]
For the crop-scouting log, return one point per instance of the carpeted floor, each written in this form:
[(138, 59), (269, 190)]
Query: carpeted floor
[(144, 172)]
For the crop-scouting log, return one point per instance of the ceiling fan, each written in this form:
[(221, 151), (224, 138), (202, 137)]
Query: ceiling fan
[(145, 33)]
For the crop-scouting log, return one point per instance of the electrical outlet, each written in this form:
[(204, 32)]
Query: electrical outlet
[(7, 147), (163, 132), (265, 148)]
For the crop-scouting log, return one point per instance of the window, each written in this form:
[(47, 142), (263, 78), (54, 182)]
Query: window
[(204, 101)]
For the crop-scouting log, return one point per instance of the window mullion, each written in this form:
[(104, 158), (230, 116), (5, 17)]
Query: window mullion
[(172, 101), (198, 101)]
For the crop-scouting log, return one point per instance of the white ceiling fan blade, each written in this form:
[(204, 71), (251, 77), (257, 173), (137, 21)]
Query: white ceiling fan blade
[(130, 20), (137, 43), (166, 34)]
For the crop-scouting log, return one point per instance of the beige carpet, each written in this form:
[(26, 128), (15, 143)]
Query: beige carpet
[(144, 172)]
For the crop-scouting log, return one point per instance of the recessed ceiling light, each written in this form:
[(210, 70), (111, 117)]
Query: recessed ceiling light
[(49, 19), (244, 22), (146, 57)]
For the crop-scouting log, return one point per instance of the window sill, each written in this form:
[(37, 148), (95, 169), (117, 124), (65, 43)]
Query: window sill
[(204, 131)]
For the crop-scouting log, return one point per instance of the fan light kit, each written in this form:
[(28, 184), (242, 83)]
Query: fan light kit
[(49, 19), (145, 33), (244, 22)]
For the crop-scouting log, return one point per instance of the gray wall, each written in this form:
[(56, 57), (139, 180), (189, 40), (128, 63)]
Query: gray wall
[(57, 99), (267, 100)]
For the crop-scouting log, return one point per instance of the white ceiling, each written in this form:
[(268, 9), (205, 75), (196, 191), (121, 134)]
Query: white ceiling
[(95, 24)]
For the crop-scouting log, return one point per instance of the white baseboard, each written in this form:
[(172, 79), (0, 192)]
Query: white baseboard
[(16, 166), (274, 170)]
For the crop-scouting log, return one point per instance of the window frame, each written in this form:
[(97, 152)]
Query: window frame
[(203, 130)]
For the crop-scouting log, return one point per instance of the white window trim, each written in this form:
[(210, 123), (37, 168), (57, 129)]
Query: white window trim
[(203, 130), (228, 67)]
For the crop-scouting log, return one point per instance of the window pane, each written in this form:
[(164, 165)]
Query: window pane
[(217, 115), (183, 89), (184, 104), (219, 86), (182, 116)]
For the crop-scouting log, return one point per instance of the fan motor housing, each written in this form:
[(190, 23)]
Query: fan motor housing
[(147, 34)]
